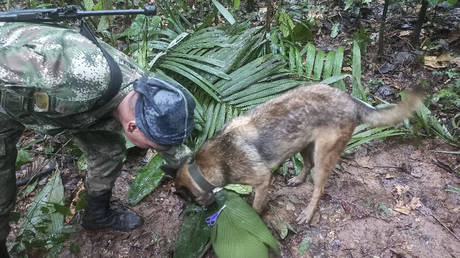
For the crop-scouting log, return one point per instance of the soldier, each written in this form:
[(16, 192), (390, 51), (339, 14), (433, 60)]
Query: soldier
[(54, 79)]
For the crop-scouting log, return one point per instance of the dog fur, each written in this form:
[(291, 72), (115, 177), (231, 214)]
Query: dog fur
[(315, 120)]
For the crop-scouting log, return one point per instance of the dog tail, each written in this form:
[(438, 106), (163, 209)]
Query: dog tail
[(393, 114)]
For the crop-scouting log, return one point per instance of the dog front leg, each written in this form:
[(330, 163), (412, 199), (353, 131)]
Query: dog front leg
[(261, 191)]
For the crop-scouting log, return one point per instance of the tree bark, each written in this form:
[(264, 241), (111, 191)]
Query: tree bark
[(268, 20), (382, 29), (418, 26)]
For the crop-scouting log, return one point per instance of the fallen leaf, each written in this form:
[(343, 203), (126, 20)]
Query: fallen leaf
[(456, 61), (388, 176), (290, 206), (73, 204), (414, 203), (404, 33), (404, 210), (437, 62), (304, 245)]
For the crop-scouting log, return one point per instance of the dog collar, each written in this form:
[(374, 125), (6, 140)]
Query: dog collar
[(199, 179)]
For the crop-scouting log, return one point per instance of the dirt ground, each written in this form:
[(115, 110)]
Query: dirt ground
[(389, 199)]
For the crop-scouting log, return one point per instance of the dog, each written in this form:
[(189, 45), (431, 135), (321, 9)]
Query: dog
[(315, 120)]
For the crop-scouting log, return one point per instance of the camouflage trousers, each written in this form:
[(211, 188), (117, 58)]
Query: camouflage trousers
[(104, 148)]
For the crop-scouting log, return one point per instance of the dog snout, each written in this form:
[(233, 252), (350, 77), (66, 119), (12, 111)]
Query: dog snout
[(206, 199)]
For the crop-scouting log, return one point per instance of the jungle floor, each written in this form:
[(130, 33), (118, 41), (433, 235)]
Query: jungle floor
[(391, 198)]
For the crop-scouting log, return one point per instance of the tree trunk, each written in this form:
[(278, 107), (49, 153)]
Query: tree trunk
[(268, 20), (418, 26), (382, 29)]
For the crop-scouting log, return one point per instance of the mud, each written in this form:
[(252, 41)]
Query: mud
[(389, 200)]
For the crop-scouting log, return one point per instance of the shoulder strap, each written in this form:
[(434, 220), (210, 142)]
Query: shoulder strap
[(115, 72)]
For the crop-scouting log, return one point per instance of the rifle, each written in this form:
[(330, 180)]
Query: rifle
[(66, 13)]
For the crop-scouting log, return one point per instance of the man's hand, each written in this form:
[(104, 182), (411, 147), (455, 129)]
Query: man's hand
[(175, 157)]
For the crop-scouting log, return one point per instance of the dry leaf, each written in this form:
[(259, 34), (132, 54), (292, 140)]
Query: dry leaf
[(404, 210), (415, 203), (437, 62), (456, 61), (80, 187), (404, 33)]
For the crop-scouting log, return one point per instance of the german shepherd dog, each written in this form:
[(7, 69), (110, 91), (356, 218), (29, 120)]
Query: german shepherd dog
[(315, 120)]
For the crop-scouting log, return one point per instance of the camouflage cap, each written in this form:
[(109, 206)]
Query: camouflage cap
[(164, 110)]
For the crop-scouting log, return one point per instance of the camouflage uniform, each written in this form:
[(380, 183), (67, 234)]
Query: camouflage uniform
[(51, 78)]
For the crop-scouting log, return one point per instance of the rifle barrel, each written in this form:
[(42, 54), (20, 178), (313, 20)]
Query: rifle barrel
[(148, 10), (65, 13)]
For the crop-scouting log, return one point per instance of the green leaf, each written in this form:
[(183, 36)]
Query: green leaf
[(335, 30), (432, 125), (191, 75), (292, 58), (297, 161), (194, 233), (328, 65), (337, 67), (128, 143), (311, 53), (304, 245), (239, 231), (382, 207), (30, 187), (348, 4), (363, 135), (357, 90), (216, 113), (298, 62), (88, 4), (319, 62), (236, 4), (335, 78), (41, 218), (22, 158), (283, 227), (146, 180), (301, 33), (82, 162), (240, 189), (227, 15)]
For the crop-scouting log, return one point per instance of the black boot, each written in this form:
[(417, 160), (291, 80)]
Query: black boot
[(3, 250), (98, 215)]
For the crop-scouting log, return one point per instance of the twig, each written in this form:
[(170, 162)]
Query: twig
[(439, 221), (43, 171), (447, 152)]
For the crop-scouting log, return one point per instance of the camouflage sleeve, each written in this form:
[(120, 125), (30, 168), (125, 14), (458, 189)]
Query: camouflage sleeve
[(176, 156)]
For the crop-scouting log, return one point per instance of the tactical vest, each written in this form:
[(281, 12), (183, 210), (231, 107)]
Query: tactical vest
[(54, 78)]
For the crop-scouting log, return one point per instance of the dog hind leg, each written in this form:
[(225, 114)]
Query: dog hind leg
[(307, 155), (326, 154)]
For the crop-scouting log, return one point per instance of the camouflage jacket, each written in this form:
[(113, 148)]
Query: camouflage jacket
[(59, 63)]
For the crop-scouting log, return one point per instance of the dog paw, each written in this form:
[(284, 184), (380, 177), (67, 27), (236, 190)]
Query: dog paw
[(304, 217), (295, 181)]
